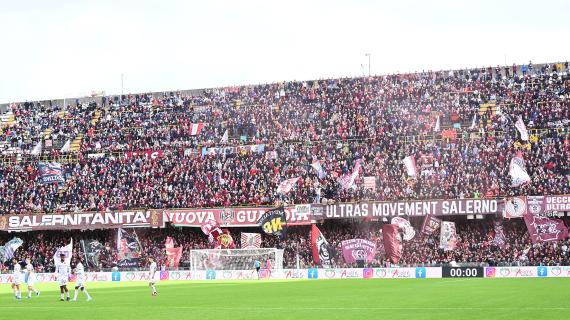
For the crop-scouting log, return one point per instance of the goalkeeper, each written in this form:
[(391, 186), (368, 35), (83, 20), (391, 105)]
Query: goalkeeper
[(257, 266)]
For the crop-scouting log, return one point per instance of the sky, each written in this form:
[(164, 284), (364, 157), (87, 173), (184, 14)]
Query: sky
[(55, 49)]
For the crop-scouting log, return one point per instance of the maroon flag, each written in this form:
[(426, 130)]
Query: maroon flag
[(392, 242), (320, 247), (173, 256), (225, 240), (545, 229), (169, 243), (499, 240), (431, 224)]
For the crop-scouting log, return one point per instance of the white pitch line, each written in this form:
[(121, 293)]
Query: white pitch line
[(307, 308)]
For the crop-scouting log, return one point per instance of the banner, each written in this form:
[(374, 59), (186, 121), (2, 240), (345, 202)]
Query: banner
[(319, 169), (250, 240), (91, 250), (369, 183), (538, 205), (225, 151), (129, 249), (67, 251), (7, 250), (320, 248), (515, 207), (173, 256), (522, 129), (81, 220), (286, 185), (448, 236), (358, 249), (499, 239), (274, 222), (392, 242), (545, 229), (233, 217), (517, 171), (431, 224), (50, 172), (148, 154), (410, 163), (367, 209)]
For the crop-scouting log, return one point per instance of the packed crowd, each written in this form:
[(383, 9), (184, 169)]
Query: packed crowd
[(475, 245), (377, 121)]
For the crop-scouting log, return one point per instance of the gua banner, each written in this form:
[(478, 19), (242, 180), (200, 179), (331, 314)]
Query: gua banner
[(358, 249)]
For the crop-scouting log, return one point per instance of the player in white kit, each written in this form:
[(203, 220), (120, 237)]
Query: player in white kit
[(151, 273), (63, 271), (30, 278), (17, 278), (80, 280)]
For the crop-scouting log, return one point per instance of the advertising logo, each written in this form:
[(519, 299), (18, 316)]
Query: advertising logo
[(490, 272), (116, 276), (313, 273), (367, 273), (164, 275), (420, 272), (542, 271), (211, 275)]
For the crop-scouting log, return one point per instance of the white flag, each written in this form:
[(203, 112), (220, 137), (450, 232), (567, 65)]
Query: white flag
[(286, 185), (225, 137), (319, 168), (347, 180), (410, 163), (7, 250), (65, 250), (437, 126), (474, 121), (66, 146), (448, 236), (517, 171), (522, 129), (37, 149)]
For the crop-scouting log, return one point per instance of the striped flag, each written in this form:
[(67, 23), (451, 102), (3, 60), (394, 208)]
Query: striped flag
[(196, 128), (522, 129), (250, 240), (7, 250)]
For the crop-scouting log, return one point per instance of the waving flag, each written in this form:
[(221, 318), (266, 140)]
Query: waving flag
[(431, 224), (319, 169), (410, 163), (347, 180), (474, 121), (196, 128), (437, 125), (405, 225), (250, 240), (66, 250), (543, 229), (392, 242), (286, 185), (370, 183), (7, 250), (173, 256), (320, 248), (169, 243), (224, 137), (129, 248), (499, 240), (448, 236), (91, 250), (37, 150), (522, 129), (51, 172), (66, 147), (517, 171)]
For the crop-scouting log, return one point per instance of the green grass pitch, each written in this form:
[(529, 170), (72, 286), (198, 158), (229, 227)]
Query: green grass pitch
[(531, 298)]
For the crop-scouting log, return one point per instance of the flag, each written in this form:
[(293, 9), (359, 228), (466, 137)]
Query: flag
[(392, 242), (50, 172), (173, 256), (169, 243), (274, 222), (212, 230), (250, 240), (66, 250), (543, 229), (448, 236), (196, 128), (224, 137), (499, 240), (37, 150), (517, 171), (66, 146), (319, 169), (129, 249), (347, 180), (320, 248), (437, 126), (225, 240), (410, 163), (286, 185), (404, 225), (7, 250), (431, 224), (522, 129), (91, 250), (370, 183), (358, 249)]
